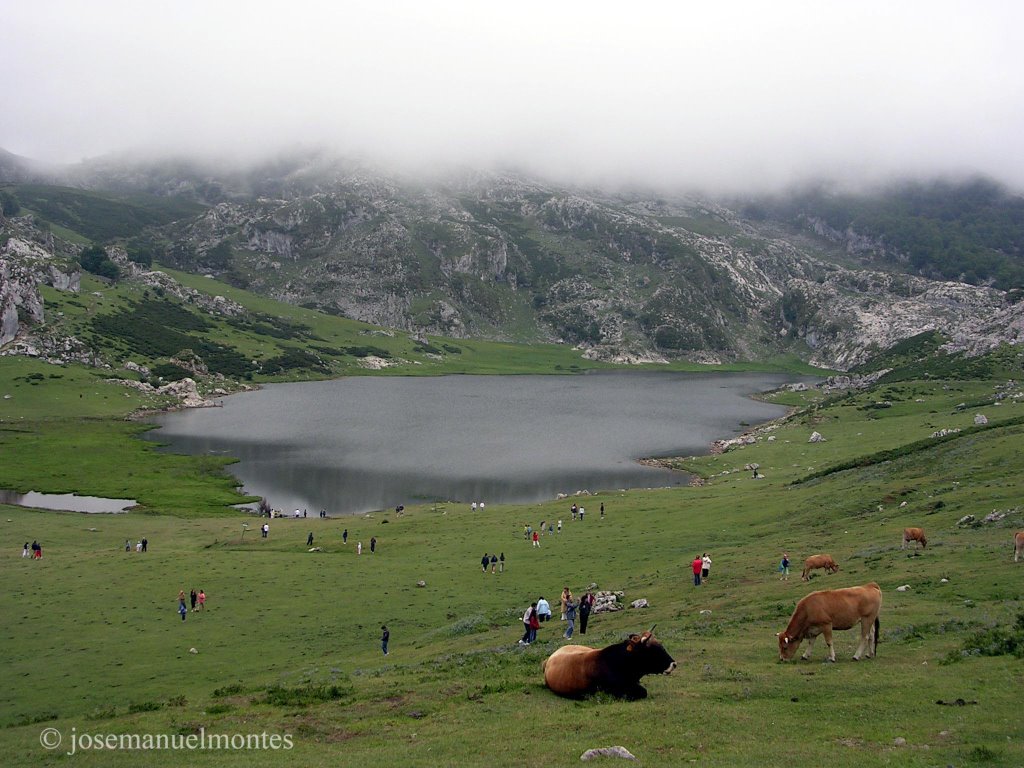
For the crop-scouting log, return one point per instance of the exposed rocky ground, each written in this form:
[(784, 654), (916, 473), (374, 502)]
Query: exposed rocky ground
[(629, 277)]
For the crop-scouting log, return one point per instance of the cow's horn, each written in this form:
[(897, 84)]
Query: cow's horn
[(651, 630)]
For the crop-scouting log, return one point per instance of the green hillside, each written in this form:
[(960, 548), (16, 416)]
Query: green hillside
[(971, 231), (99, 216), (288, 642)]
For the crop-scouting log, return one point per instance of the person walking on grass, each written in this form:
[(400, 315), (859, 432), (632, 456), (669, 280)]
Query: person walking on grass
[(536, 539), (784, 567), (373, 544), (202, 599), (384, 638), (344, 536), (501, 563), (484, 561), (494, 563), (705, 567), (192, 598), (24, 552), (309, 539)]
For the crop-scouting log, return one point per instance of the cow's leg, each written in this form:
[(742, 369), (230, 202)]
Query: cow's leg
[(810, 646), (634, 692), (866, 630), (827, 632)]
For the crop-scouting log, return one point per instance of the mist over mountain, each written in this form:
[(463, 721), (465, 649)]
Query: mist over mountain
[(625, 275), (734, 97)]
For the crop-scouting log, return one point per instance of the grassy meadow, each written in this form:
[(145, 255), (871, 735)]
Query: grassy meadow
[(289, 644)]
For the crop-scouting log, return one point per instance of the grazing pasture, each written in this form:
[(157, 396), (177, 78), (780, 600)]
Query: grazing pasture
[(289, 640)]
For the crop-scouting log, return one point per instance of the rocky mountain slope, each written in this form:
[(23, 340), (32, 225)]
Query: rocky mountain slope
[(626, 277)]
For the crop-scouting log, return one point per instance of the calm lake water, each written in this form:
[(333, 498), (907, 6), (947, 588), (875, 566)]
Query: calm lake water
[(360, 444), (66, 501)]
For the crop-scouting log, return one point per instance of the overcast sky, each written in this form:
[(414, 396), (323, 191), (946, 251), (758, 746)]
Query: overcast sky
[(723, 95)]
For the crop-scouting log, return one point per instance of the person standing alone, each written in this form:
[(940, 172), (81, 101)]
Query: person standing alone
[(570, 618), (384, 638)]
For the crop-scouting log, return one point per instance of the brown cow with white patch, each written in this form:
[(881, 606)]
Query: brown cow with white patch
[(1018, 545), (576, 670), (915, 535), (818, 561), (821, 612)]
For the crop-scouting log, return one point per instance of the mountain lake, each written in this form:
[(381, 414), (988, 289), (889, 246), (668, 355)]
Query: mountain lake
[(360, 444)]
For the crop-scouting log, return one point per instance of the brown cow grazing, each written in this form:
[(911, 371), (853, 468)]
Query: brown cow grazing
[(821, 612), (915, 535), (818, 561), (1018, 545), (576, 670)]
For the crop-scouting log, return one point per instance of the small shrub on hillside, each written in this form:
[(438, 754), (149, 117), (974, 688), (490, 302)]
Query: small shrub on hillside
[(95, 259), (169, 372), (303, 696), (144, 706), (228, 690), (999, 640), (293, 359), (367, 350), (105, 713)]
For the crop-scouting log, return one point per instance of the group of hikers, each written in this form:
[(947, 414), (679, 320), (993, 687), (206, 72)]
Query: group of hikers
[(539, 612), (197, 599), (36, 549), (701, 567), (549, 526), (494, 561), (142, 545)]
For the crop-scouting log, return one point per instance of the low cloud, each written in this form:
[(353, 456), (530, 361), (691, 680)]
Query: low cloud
[(738, 96)]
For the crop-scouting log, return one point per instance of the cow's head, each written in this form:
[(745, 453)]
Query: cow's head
[(787, 646), (649, 655)]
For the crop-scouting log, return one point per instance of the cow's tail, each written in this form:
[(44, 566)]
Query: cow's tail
[(878, 625)]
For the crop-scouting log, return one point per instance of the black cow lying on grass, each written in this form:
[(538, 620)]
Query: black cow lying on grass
[(576, 670)]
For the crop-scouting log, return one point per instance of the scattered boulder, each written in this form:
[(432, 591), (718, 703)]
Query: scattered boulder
[(771, 438), (193, 650), (904, 588), (705, 612), (606, 602), (943, 581), (899, 741), (944, 432), (980, 419), (622, 752), (421, 583), (315, 549), (641, 603), (816, 438), (965, 520)]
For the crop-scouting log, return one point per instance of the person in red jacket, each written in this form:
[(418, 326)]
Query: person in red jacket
[(697, 564)]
